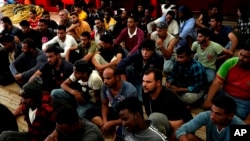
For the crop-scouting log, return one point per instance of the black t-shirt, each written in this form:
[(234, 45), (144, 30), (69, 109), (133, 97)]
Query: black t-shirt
[(53, 78), (167, 103), (43, 38), (108, 54)]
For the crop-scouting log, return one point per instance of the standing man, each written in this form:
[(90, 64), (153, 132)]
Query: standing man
[(27, 63)]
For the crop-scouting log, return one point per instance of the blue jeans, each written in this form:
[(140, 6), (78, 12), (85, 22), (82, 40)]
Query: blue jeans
[(210, 74), (61, 98), (133, 79), (243, 106)]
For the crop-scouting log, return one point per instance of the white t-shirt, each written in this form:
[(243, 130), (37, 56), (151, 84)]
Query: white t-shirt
[(68, 43), (94, 83)]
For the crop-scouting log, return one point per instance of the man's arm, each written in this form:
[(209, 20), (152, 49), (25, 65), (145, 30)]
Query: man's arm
[(199, 22), (167, 53), (214, 88), (174, 126), (67, 53), (140, 39), (50, 42), (105, 110), (37, 73), (68, 44), (234, 41)]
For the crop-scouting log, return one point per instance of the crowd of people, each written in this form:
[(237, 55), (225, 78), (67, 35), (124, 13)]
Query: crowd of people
[(91, 73)]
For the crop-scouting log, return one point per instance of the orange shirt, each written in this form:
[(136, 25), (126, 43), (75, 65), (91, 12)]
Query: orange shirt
[(34, 22)]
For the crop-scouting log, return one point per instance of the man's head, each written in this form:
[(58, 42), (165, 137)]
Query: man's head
[(162, 29), (222, 110), (213, 8), (106, 40), (147, 48), (110, 77), (53, 54), (6, 22), (43, 25), (108, 13), (183, 55), (46, 15), (31, 93), (8, 42), (64, 14), (124, 14), (61, 32), (203, 35), (78, 7), (74, 17), (25, 26), (32, 14), (85, 38), (244, 56), (99, 23), (131, 113), (132, 21), (91, 7), (28, 46), (170, 16), (82, 70), (216, 20), (184, 13), (59, 5), (140, 7), (67, 121), (152, 80)]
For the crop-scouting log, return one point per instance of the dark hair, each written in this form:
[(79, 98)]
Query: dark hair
[(148, 44), (60, 4), (61, 27), (67, 115), (186, 12), (53, 48), (100, 18), (6, 20), (24, 23), (157, 73), (30, 43), (45, 13), (184, 49), (90, 5), (86, 34), (244, 11), (73, 13), (33, 11), (213, 5), (110, 11), (217, 17), (44, 21), (115, 70), (171, 13), (133, 17), (247, 45), (205, 32), (107, 38), (226, 103), (132, 104)]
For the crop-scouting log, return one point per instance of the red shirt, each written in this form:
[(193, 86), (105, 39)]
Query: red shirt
[(34, 22)]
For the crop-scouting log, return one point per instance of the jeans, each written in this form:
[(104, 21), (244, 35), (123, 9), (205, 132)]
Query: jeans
[(243, 106), (14, 136), (210, 74), (61, 98), (133, 79), (190, 98)]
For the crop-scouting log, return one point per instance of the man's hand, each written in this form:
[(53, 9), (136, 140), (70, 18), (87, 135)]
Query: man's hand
[(50, 138), (78, 96), (106, 126), (18, 78), (159, 43), (206, 104), (174, 88)]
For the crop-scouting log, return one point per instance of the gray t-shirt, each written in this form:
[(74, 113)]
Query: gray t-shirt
[(150, 134)]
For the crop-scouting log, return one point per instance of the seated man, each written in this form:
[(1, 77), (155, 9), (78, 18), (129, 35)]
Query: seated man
[(77, 27), (28, 62), (133, 66), (8, 27), (108, 55), (70, 127), (38, 115), (165, 43), (82, 15), (64, 18), (64, 41), (188, 78), (8, 54), (114, 91), (51, 23), (134, 125), (165, 110), (232, 79), (132, 36), (55, 71), (207, 52), (217, 121), (86, 47), (81, 90)]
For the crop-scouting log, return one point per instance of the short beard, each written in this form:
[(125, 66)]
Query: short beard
[(151, 92)]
